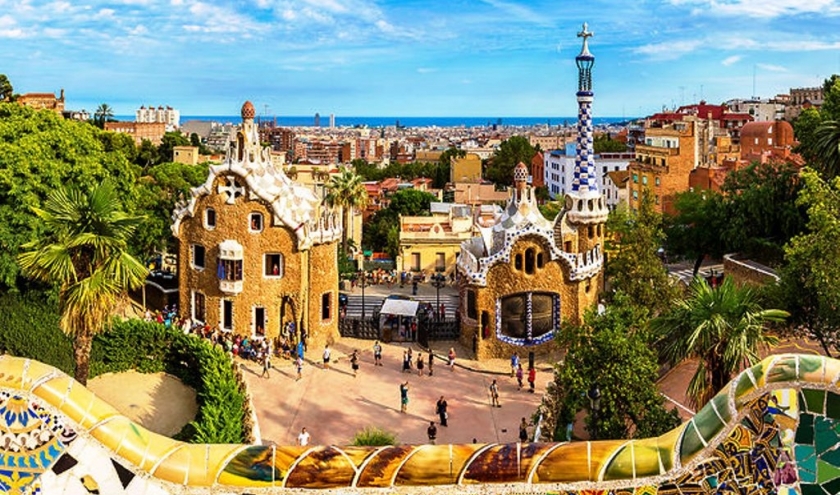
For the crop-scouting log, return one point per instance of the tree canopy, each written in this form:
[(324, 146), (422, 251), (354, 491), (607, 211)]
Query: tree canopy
[(41, 152), (5, 88), (512, 151), (611, 351), (381, 233)]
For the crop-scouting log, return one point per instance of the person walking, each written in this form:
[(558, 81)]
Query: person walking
[(440, 408), (303, 438), (494, 395), (354, 362), (451, 359), (406, 366), (327, 357), (299, 366), (377, 354), (420, 364), (431, 431), (532, 378), (403, 397), (431, 361), (519, 376), (266, 364), (514, 364), (523, 430)]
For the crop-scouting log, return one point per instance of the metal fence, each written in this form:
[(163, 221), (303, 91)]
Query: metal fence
[(428, 330), (359, 328)]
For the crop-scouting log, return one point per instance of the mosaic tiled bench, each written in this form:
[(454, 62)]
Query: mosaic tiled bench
[(775, 429)]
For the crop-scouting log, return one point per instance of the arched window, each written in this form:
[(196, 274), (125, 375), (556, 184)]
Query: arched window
[(527, 318), (540, 260), (209, 219), (517, 261), (530, 260)]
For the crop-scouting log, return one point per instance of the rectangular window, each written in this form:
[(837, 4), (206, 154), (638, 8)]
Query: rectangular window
[(227, 314), (273, 265), (199, 309), (230, 270), (657, 181), (644, 180), (440, 262), (635, 178), (256, 224), (657, 199), (415, 262), (635, 195), (472, 310), (325, 305), (210, 218), (198, 256)]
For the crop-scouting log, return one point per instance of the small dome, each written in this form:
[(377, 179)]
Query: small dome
[(248, 111), (520, 173)]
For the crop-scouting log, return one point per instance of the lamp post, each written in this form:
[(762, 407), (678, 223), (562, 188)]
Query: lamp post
[(594, 395), (362, 284), (438, 281)]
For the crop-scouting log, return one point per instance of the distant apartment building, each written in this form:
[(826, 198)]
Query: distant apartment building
[(477, 194), (802, 98), (552, 142), (719, 118), (465, 169), (433, 243), (162, 114), (220, 136), (43, 101), (559, 170), (537, 170), (152, 131), (760, 110)]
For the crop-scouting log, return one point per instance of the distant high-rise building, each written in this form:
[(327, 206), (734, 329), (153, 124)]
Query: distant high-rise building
[(317, 120), (167, 115), (332, 121)]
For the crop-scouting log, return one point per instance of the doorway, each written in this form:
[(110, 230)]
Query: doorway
[(259, 322)]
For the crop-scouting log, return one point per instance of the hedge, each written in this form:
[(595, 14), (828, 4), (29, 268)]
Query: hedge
[(29, 328)]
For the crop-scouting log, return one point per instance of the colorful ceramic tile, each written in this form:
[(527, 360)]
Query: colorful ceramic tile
[(813, 401), (322, 467), (438, 465)]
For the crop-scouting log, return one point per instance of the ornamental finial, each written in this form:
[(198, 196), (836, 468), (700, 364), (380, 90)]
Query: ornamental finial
[(585, 34)]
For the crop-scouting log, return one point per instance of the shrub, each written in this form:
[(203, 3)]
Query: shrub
[(29, 329), (373, 436)]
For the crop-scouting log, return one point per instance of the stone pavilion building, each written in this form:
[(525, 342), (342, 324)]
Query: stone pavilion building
[(524, 275), (257, 251)]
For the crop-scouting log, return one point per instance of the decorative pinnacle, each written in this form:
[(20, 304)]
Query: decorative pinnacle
[(585, 34)]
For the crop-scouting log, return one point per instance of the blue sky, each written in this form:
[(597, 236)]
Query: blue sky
[(413, 57)]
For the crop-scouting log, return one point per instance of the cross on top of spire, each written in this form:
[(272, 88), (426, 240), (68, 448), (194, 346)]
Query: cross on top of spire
[(585, 34)]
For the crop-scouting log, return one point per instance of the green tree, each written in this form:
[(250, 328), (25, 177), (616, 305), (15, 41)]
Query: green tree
[(168, 142), (825, 148), (39, 153), (147, 155), (5, 88), (724, 328), (633, 266), (830, 108), (696, 230), (512, 151), (381, 233), (604, 143), (804, 129), (347, 192), (809, 276), (611, 350), (85, 254), (158, 191), (103, 113)]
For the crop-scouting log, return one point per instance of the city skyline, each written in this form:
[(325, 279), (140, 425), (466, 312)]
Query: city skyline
[(487, 58)]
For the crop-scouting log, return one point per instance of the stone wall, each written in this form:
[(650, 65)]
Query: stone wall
[(746, 272)]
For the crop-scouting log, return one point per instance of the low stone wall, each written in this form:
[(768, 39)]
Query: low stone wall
[(748, 272)]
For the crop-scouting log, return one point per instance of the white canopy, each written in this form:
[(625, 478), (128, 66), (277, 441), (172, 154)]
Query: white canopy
[(400, 307)]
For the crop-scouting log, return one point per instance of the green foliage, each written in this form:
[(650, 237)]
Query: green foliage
[(551, 209), (512, 151), (613, 351), (696, 230), (633, 266), (818, 131), (29, 324), (809, 278), (604, 143), (830, 108), (159, 190), (149, 347), (381, 233), (168, 143), (104, 113), (373, 436), (724, 328), (6, 89), (39, 153)]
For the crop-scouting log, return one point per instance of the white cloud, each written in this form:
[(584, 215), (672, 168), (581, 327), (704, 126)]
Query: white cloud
[(669, 50), (426, 70), (760, 8), (731, 60), (771, 67), (104, 14), (520, 12)]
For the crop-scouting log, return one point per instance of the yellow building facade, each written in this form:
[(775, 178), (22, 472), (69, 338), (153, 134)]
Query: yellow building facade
[(432, 244), (466, 169), (257, 251)]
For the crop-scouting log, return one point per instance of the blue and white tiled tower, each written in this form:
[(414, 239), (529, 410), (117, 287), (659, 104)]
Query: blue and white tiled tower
[(584, 204)]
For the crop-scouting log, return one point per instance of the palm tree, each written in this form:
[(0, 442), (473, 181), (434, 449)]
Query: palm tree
[(826, 148), (85, 254), (347, 192), (103, 114), (723, 328)]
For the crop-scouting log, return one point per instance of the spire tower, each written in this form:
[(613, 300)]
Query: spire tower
[(584, 202)]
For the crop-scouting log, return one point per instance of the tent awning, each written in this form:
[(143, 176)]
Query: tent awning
[(400, 307)]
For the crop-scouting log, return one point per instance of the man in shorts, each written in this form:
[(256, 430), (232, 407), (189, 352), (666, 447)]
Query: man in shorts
[(327, 357), (303, 438), (377, 354), (403, 397)]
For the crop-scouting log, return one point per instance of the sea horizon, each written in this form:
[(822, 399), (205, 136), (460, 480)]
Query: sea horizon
[(378, 122)]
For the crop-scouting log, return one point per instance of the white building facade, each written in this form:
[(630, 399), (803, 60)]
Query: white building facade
[(167, 115), (559, 166)]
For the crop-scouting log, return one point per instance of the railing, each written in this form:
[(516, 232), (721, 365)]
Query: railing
[(358, 328), (433, 331)]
